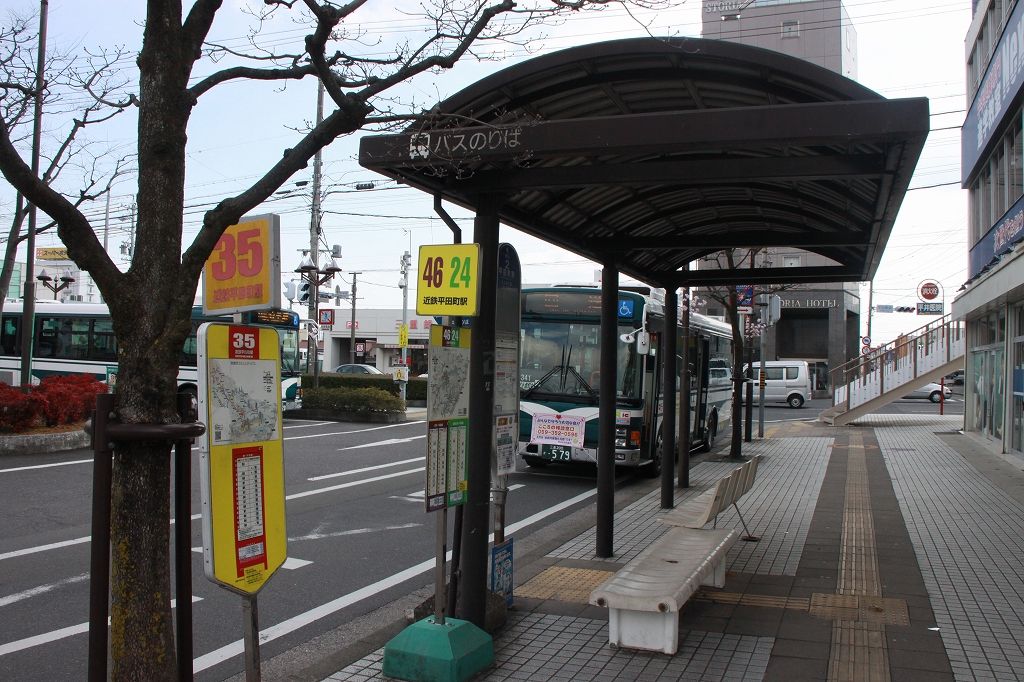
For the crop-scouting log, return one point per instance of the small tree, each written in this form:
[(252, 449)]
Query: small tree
[(361, 84), (726, 297)]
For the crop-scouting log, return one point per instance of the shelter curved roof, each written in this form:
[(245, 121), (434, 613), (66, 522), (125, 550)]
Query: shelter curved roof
[(651, 153)]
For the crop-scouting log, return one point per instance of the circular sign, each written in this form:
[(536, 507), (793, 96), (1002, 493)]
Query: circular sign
[(865, 340), (865, 350), (929, 290)]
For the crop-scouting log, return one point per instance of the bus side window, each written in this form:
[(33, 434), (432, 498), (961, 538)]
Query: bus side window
[(9, 340), (102, 345), (45, 345)]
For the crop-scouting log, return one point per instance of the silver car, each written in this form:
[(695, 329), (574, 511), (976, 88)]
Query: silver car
[(932, 392)]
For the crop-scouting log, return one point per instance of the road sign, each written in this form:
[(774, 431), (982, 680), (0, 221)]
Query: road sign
[(244, 269), (929, 308), (327, 316), (403, 335), (449, 280), (866, 350), (928, 290), (241, 455), (865, 340)]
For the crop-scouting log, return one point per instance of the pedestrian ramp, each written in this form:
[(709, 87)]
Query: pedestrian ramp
[(889, 372)]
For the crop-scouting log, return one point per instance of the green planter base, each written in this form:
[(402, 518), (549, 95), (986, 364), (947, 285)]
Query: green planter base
[(428, 652)]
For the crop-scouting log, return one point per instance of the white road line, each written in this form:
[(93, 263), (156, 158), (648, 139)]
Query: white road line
[(42, 589), (343, 433), (364, 469), (46, 466), (315, 535), (350, 484), (43, 548), (389, 441), (303, 619), (306, 425), (196, 517), (291, 563), (54, 635)]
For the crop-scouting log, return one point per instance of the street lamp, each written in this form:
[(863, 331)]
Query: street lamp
[(315, 277), (65, 281)]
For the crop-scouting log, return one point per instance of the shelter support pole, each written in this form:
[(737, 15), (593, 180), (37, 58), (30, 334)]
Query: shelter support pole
[(476, 519), (606, 412), (668, 424), (685, 431)]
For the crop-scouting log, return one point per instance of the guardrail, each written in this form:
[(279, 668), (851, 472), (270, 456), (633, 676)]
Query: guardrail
[(898, 362)]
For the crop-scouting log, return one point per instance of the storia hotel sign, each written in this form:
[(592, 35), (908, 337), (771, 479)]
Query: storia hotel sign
[(810, 303)]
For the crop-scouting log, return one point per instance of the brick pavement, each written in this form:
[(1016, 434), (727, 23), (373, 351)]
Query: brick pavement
[(885, 553)]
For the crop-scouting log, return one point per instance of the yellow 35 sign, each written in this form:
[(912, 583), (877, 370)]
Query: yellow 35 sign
[(449, 280), (244, 270)]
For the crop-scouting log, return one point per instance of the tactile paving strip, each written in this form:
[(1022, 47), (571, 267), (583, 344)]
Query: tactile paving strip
[(764, 600), (563, 584), (867, 609)]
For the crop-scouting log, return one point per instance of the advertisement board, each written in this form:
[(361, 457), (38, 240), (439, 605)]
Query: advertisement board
[(447, 416)]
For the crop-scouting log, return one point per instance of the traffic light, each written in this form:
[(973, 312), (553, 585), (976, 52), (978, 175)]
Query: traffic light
[(304, 292), (904, 309), (289, 290)]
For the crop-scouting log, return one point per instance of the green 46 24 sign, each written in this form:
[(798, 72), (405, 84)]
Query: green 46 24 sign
[(449, 280)]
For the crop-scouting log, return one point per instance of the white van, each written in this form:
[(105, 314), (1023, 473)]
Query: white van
[(786, 381)]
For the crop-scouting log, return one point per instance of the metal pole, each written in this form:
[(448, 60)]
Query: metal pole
[(605, 541), (352, 334), (314, 241), (477, 517), (683, 474), (439, 571), (760, 385), (251, 637), (668, 425), (183, 542), (99, 550), (29, 306), (871, 307)]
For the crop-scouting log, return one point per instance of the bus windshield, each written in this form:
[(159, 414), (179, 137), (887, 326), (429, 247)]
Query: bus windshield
[(563, 359)]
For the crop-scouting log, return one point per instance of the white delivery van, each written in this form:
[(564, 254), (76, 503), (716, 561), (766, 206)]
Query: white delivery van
[(786, 381)]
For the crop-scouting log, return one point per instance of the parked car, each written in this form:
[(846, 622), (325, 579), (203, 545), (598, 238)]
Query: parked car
[(932, 392), (357, 369), (956, 378), (786, 381)]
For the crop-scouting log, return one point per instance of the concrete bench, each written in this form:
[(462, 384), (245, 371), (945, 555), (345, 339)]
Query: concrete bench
[(645, 596), (726, 492)]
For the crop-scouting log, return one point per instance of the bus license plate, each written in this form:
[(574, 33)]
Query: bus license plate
[(556, 453)]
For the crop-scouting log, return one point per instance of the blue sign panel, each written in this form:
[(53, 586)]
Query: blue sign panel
[(501, 570), (626, 307), (999, 90), (998, 240)]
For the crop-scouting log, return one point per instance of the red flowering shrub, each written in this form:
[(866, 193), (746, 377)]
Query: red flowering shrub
[(56, 400)]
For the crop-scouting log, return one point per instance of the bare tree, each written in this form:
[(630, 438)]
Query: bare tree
[(18, 43), (726, 297), (362, 88)]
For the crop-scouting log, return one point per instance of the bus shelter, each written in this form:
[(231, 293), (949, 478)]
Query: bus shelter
[(645, 155)]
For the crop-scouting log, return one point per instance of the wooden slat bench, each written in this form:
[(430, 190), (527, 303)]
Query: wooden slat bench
[(645, 596)]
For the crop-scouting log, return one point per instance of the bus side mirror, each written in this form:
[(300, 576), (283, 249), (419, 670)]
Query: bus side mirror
[(643, 343)]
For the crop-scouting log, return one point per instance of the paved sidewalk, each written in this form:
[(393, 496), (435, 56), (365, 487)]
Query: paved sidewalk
[(891, 549)]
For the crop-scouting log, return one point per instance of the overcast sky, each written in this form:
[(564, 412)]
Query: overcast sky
[(906, 48)]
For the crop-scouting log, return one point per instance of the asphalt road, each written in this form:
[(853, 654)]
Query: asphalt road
[(358, 538)]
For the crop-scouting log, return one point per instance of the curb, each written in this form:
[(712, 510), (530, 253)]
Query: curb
[(40, 443), (339, 416)]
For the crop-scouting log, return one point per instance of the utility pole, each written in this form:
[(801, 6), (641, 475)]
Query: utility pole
[(404, 284), (29, 308), (313, 354), (352, 336)]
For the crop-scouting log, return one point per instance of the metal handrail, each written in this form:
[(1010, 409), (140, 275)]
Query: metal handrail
[(898, 357)]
